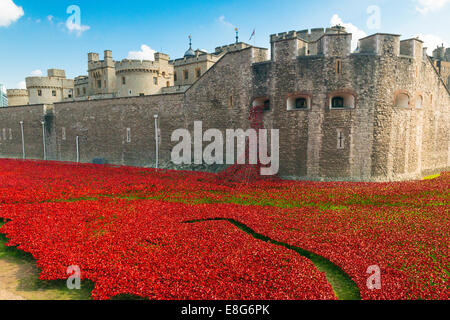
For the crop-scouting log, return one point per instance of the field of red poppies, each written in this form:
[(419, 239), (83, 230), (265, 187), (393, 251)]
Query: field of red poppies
[(183, 235)]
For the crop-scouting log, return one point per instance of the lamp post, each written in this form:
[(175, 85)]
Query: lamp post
[(157, 141), (23, 140), (43, 140), (78, 148)]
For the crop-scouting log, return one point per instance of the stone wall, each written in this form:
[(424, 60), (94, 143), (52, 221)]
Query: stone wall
[(102, 127), (371, 139), (11, 135)]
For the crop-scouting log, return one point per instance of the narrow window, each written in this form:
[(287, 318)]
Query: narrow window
[(63, 133), (198, 72), (175, 76), (99, 84), (419, 102), (141, 94), (78, 91), (340, 139), (230, 102), (338, 66), (267, 105), (40, 93), (155, 81), (4, 133), (124, 81), (54, 93), (186, 75), (168, 84), (10, 134), (128, 135), (84, 90)]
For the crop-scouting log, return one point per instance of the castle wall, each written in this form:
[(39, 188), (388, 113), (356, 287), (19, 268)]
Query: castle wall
[(102, 127), (134, 77), (11, 135), (202, 63), (371, 138), (47, 90), (411, 141), (17, 97)]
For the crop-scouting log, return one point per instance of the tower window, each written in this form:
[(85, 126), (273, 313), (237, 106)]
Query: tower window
[(198, 72), (419, 102), (301, 103), (175, 76), (39, 93), (155, 81), (230, 101), (340, 139), (298, 102), (128, 135), (99, 84), (338, 66), (402, 100), (54, 93), (186, 75), (124, 81), (267, 105), (337, 102)]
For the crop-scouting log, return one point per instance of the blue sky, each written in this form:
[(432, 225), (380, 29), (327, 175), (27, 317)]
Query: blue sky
[(34, 34)]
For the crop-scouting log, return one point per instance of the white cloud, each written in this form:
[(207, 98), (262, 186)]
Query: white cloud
[(224, 22), (431, 42), (9, 12), (425, 6), (351, 28), (21, 85), (38, 21), (76, 27), (36, 73), (146, 53), (50, 18)]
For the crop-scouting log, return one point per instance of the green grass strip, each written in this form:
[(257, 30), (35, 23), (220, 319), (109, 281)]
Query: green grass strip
[(343, 286)]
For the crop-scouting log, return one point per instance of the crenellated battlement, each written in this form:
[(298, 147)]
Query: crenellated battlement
[(232, 47), (380, 44), (307, 35), (17, 92), (412, 48), (136, 66), (283, 36)]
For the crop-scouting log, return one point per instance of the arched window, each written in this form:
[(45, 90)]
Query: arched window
[(342, 101), (337, 102), (419, 102), (298, 102), (402, 100), (262, 102)]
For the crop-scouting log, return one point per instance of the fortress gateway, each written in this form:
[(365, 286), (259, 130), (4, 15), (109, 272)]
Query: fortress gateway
[(378, 114)]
